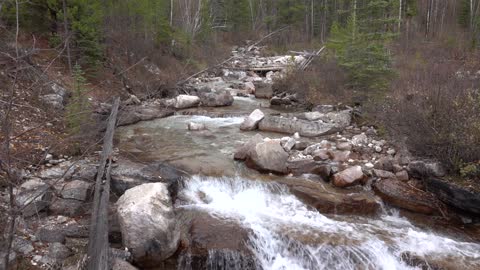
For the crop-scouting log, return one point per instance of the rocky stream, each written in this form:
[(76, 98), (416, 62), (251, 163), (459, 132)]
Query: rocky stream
[(234, 176)]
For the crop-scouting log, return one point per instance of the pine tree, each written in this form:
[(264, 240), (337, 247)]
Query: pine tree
[(77, 107)]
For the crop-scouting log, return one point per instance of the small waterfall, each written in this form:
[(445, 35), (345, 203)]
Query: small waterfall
[(287, 235)]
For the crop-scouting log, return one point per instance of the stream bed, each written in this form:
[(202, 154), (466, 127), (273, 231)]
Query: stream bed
[(283, 232)]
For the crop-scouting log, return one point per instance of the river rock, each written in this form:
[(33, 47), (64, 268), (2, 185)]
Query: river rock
[(66, 207), (130, 174), (349, 177), (344, 146), (402, 175), (251, 121), (424, 169), (341, 119), (268, 156), (134, 114), (243, 151), (196, 126), (329, 202), (290, 126), (401, 194), (313, 116), (218, 242), (186, 101), (249, 87), (148, 224), (455, 195), (360, 140), (288, 143), (298, 167), (385, 164), (216, 99), (339, 156)]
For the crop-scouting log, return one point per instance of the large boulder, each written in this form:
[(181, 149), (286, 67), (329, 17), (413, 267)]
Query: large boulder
[(186, 101), (35, 196), (268, 156), (76, 190), (148, 224), (251, 121), (243, 151), (403, 195), (291, 125), (455, 195), (349, 177), (130, 174), (134, 114), (216, 99)]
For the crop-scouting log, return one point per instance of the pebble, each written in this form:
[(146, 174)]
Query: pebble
[(391, 151), (378, 149), (369, 165)]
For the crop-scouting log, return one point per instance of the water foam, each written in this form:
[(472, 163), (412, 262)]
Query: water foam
[(286, 234)]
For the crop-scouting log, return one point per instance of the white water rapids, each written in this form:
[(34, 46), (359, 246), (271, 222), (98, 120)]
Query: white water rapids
[(287, 235)]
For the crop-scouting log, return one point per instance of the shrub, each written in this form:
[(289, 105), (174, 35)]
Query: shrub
[(435, 106)]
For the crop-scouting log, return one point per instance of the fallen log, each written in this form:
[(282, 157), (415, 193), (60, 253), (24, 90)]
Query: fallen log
[(98, 247)]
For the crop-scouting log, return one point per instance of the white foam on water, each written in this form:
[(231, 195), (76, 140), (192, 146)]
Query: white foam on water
[(287, 235)]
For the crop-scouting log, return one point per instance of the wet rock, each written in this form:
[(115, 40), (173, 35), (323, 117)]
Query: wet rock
[(268, 156), (35, 196), (129, 174), (337, 203), (186, 101), (403, 195), (263, 90), (196, 126), (383, 174), (349, 177), (290, 126), (217, 242), (455, 195), (251, 121), (119, 264), (148, 223), (243, 151), (299, 166), (134, 114), (77, 190), (216, 99), (424, 169)]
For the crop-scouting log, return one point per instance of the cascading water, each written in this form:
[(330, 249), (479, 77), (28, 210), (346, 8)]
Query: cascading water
[(286, 234)]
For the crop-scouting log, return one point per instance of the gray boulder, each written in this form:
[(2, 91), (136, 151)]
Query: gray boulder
[(290, 126), (148, 224), (186, 101), (76, 190), (243, 151), (268, 156), (425, 169), (251, 121), (216, 99), (35, 196)]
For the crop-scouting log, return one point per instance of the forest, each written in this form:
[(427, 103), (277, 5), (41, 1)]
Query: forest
[(209, 107)]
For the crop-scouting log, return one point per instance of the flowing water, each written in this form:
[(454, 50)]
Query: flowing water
[(284, 234)]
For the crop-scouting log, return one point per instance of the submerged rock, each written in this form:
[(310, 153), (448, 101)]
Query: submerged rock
[(403, 195), (196, 126), (148, 224)]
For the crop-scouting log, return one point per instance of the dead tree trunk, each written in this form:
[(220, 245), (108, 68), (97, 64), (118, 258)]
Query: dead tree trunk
[(98, 255)]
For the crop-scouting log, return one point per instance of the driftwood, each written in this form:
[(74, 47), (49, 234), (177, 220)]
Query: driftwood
[(98, 247), (307, 62)]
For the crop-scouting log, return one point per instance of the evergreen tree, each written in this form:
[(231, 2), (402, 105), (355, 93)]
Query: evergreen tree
[(238, 15), (77, 107)]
